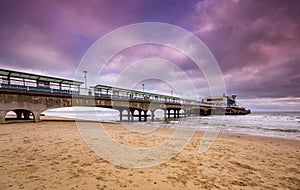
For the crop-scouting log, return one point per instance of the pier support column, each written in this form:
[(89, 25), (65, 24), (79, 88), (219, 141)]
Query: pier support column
[(152, 115), (145, 115), (192, 112), (128, 115), (19, 114), (140, 115), (188, 113), (26, 114), (201, 112), (37, 116), (131, 113), (168, 113), (184, 115), (2, 116), (121, 114)]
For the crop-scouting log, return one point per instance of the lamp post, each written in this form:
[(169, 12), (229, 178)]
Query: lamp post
[(85, 79), (171, 92), (143, 87)]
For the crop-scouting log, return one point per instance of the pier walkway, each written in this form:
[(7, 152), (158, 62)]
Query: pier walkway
[(28, 95)]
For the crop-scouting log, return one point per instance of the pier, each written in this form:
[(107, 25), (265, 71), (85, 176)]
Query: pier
[(28, 95)]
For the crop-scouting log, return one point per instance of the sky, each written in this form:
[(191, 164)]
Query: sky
[(256, 43)]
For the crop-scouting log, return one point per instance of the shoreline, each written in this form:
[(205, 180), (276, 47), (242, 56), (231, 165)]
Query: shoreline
[(69, 119), (292, 132), (53, 155)]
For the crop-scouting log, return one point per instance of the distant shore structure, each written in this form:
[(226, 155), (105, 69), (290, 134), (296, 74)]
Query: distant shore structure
[(28, 95), (221, 100), (229, 102)]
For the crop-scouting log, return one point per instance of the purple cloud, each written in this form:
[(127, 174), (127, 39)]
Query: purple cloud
[(256, 43)]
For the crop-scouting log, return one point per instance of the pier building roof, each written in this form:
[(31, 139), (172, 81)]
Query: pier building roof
[(23, 75)]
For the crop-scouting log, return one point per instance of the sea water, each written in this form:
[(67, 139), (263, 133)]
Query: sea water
[(269, 124)]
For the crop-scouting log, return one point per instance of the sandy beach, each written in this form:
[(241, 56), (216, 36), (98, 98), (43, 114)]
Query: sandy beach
[(53, 155)]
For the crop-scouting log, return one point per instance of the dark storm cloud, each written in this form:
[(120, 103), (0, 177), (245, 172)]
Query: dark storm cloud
[(256, 44), (35, 38), (51, 36)]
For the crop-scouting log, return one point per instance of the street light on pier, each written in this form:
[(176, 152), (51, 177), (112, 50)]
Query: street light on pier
[(171, 92), (85, 79), (143, 87)]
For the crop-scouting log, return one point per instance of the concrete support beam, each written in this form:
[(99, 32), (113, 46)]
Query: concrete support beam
[(128, 115), (140, 115), (2, 116), (184, 114), (176, 112), (19, 114), (152, 115), (121, 114), (145, 115), (26, 114), (37, 116), (131, 113)]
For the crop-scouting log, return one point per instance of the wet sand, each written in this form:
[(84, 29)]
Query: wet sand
[(53, 155)]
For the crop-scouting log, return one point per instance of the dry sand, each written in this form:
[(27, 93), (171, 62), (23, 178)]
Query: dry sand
[(52, 155)]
